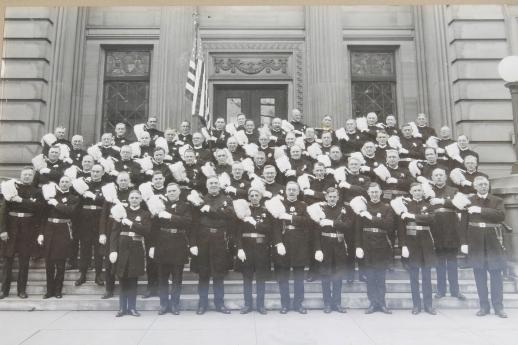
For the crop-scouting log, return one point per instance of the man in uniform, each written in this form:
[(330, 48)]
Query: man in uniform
[(185, 136), (120, 138), (21, 230), (481, 240), (296, 121), (422, 125), (151, 128), (77, 153), (55, 167)]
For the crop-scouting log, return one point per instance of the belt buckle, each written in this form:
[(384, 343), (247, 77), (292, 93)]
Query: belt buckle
[(213, 230), (339, 238), (259, 240), (483, 225)]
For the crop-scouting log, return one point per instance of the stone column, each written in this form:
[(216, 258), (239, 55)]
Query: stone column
[(325, 65), (175, 45)]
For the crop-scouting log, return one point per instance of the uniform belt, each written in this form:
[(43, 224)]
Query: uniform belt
[(173, 231), (332, 235), (290, 227), (483, 225), (417, 227), (214, 230), (58, 220), (373, 230), (346, 203), (133, 237), (91, 207), (21, 214), (444, 210), (253, 235)]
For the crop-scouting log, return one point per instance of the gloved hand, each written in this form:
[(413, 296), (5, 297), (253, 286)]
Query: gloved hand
[(319, 256), (344, 184), (164, 214), (365, 168), (4, 236), (326, 222), (89, 194), (44, 170), (290, 172), (152, 252), (281, 249), (52, 202), (359, 253), (205, 208), (466, 183), (405, 215), (464, 249), (267, 194), (474, 209), (16, 199), (194, 250), (40, 240), (309, 192), (286, 216), (127, 222), (113, 173), (102, 239), (241, 255), (113, 257), (422, 179), (231, 189), (404, 252), (149, 172), (251, 220), (437, 201), (366, 214), (391, 180), (403, 150)]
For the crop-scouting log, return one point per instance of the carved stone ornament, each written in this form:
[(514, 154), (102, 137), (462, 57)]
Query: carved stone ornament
[(250, 67)]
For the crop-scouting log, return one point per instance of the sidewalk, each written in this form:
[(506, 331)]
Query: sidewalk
[(457, 327)]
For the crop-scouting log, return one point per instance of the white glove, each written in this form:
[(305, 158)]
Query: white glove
[(114, 173), (4, 236), (359, 253), (281, 249), (40, 240), (309, 192), (437, 201), (231, 189), (152, 252), (344, 184), (421, 179), (149, 172), (366, 214), (405, 215), (290, 172), (241, 255), (464, 249), (319, 256), (326, 222), (164, 214), (102, 239), (127, 222), (466, 183), (16, 199), (403, 150), (205, 208), (52, 202), (251, 220), (474, 209), (404, 252), (194, 250), (391, 180), (286, 216), (365, 168), (44, 170), (267, 194), (89, 194), (113, 257)]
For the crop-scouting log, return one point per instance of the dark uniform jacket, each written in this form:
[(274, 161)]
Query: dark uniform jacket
[(414, 146), (90, 210), (121, 141), (446, 225), (131, 260), (132, 168), (242, 185), (359, 184), (319, 186), (426, 132), (482, 233), (404, 179), (57, 169), (57, 232), (355, 142), (77, 156)]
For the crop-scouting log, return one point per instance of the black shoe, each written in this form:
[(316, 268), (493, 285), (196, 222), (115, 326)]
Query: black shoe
[(133, 312), (99, 281), (120, 313), (245, 310), (284, 310), (482, 312), (149, 293), (80, 281), (222, 309), (310, 278), (3, 295), (416, 310), (370, 310), (439, 295), (22, 295), (262, 310), (47, 295), (327, 309), (500, 313), (430, 310), (385, 310), (340, 309), (460, 297), (301, 310), (163, 310), (58, 295), (107, 294), (201, 310), (175, 310)]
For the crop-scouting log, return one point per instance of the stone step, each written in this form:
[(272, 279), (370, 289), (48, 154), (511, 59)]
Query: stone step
[(233, 301), (236, 287), (396, 274)]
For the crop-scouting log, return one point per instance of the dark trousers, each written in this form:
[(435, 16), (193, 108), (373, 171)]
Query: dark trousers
[(376, 286), (260, 286), (332, 291), (88, 246), (176, 272), (55, 270), (283, 275), (74, 251), (217, 287), (447, 264), (128, 294), (151, 272), (497, 288), (426, 274), (109, 276), (23, 273)]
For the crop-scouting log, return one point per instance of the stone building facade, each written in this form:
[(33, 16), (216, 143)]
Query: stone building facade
[(85, 68)]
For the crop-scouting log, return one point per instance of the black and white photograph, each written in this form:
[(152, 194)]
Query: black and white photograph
[(259, 174)]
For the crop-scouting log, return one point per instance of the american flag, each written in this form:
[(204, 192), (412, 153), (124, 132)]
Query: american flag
[(196, 87)]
